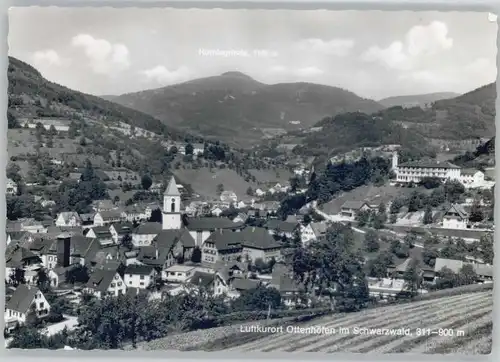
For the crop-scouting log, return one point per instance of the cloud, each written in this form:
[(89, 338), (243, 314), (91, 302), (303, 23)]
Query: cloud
[(104, 56), (303, 72), (308, 72), (162, 75), (336, 47), (420, 42), (47, 57)]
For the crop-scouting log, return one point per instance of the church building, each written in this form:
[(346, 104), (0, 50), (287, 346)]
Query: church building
[(172, 217)]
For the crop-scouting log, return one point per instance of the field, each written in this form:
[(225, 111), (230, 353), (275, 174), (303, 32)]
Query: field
[(22, 141), (205, 182), (270, 176)]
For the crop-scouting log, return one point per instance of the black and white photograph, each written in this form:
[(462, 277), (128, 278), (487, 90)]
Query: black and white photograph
[(250, 180)]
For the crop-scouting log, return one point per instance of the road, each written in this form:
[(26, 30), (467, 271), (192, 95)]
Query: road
[(70, 322)]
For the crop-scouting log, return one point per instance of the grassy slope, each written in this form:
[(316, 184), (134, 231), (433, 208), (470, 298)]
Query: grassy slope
[(234, 107), (467, 308)]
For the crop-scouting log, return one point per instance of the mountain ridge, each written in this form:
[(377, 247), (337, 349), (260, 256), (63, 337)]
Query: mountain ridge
[(417, 99), (239, 109)]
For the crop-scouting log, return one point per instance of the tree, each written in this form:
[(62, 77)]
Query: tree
[(189, 149), (428, 219), (363, 218), (146, 182), (377, 267), (429, 257), (249, 191), (476, 212), (371, 241), (467, 275), (43, 280), (196, 256), (77, 274), (486, 248), (156, 216), (17, 277), (446, 279), (411, 277), (126, 241), (220, 189)]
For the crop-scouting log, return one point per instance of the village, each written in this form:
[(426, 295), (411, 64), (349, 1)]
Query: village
[(230, 246)]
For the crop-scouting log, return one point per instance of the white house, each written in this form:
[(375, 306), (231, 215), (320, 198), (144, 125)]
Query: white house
[(259, 192), (307, 234), (24, 299), (216, 211), (178, 273), (61, 125), (351, 208), (144, 234), (228, 196), (33, 226), (455, 218), (139, 276), (104, 282), (102, 218), (11, 187), (68, 219)]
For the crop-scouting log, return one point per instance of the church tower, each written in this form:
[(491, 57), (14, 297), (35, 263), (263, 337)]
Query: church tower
[(395, 160), (172, 218)]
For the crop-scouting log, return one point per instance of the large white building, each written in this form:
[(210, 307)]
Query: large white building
[(416, 171)]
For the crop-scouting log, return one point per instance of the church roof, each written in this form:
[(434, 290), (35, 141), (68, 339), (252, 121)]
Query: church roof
[(172, 189)]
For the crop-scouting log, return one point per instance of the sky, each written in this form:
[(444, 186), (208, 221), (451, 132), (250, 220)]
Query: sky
[(374, 54)]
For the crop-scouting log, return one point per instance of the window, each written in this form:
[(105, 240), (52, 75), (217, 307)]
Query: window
[(142, 277), (172, 205), (130, 282), (119, 284), (112, 285), (141, 283), (42, 304)]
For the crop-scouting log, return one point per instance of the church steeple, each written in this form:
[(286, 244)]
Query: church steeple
[(171, 207)]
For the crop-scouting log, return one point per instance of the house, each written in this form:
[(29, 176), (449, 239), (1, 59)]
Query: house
[(19, 238), (21, 258), (212, 283), (75, 176), (46, 250), (87, 219), (312, 231), (135, 213), (168, 248), (292, 294), (416, 171), (104, 282), (102, 234), (471, 178), (139, 276), (102, 218), (241, 217), (202, 227), (178, 273), (282, 228), (221, 245), (11, 187), (144, 234), (351, 208), (259, 192), (240, 285), (216, 211), (57, 276), (33, 226), (483, 271), (82, 249), (385, 288), (257, 243), (119, 230), (68, 218), (228, 196), (156, 187), (455, 218), (103, 205), (25, 299)]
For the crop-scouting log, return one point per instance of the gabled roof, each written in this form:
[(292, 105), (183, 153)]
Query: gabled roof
[(100, 279), (319, 228), (212, 223), (469, 171), (458, 209), (202, 279), (110, 214), (123, 228), (429, 164), (21, 299), (67, 215), (280, 225), (354, 205), (101, 231), (245, 284), (172, 189), (148, 228), (256, 238), (453, 265), (137, 269), (224, 240)]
